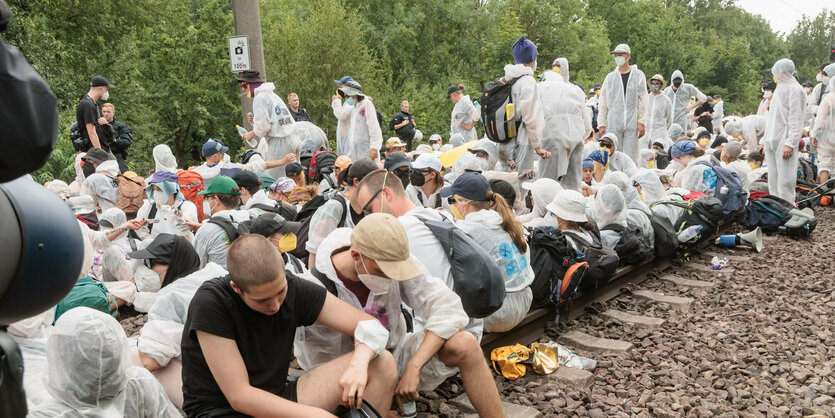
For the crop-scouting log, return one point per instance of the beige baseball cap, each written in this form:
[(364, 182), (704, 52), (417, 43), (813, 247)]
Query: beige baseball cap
[(382, 238)]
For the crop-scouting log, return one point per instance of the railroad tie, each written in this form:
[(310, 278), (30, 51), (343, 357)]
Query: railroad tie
[(751, 254), (462, 403), (628, 318), (708, 268), (674, 301), (587, 342), (686, 282)]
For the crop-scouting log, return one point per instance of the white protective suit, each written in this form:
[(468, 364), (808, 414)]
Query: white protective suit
[(718, 115), (609, 207), (463, 112), (325, 220), (211, 241), (256, 164), (697, 177), (312, 134), (637, 213), (742, 169), (485, 227), (824, 130), (620, 161), (681, 98), (169, 219), (659, 119), (90, 373), (785, 127), (364, 133), (272, 120), (164, 159), (621, 113), (653, 191), (751, 129), (566, 126), (543, 191), (427, 295), (342, 111), (102, 185), (647, 155), (528, 109)]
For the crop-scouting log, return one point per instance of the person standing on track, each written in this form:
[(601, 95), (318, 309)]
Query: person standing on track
[(623, 102)]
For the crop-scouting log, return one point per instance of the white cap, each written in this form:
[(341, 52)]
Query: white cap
[(622, 49), (569, 205), (427, 161)]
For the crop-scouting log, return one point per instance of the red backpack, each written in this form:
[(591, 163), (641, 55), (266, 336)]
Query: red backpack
[(321, 165), (190, 184)]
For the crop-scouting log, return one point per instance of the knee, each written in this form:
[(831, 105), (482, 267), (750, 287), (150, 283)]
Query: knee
[(461, 348), (384, 367)]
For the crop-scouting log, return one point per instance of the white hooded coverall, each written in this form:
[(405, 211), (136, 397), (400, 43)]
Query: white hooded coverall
[(619, 112)]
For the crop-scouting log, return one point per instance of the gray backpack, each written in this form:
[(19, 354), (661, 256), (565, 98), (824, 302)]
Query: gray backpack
[(729, 188)]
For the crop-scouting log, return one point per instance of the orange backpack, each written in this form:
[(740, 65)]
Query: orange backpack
[(191, 183), (131, 195)]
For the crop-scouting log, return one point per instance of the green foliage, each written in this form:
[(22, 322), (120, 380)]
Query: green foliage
[(169, 62)]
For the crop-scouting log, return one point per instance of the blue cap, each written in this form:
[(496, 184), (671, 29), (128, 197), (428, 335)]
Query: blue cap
[(588, 163), (472, 186), (212, 147), (524, 51), (682, 148), (344, 80), (161, 176), (599, 156)]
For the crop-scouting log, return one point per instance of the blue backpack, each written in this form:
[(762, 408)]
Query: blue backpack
[(728, 189)]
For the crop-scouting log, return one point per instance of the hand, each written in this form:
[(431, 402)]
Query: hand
[(543, 153), (289, 158), (601, 130), (815, 142), (248, 136), (249, 117), (587, 190), (102, 121), (353, 383), (407, 389), (526, 174), (511, 165), (787, 152), (334, 97), (641, 130), (193, 226), (373, 154), (135, 224)]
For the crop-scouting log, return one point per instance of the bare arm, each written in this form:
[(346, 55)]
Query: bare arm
[(407, 389), (468, 126), (229, 371), (94, 137)]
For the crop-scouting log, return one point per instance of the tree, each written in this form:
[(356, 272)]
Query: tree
[(809, 42)]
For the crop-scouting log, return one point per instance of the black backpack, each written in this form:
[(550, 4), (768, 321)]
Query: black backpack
[(232, 231), (632, 247), (302, 234), (666, 239), (558, 268), (767, 211), (286, 211), (476, 276), (806, 171), (494, 102), (704, 211), (603, 262)]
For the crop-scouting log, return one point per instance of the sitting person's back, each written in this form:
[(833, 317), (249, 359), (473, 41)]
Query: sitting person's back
[(90, 373)]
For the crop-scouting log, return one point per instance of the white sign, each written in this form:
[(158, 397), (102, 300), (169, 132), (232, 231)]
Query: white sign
[(239, 53)]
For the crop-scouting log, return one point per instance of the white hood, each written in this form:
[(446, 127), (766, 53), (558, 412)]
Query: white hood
[(512, 71)]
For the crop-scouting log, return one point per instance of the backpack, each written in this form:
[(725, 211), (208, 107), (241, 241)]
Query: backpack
[(496, 102), (131, 195), (666, 239), (232, 231), (809, 195), (476, 277), (603, 262), (558, 268), (306, 214), (438, 202), (79, 144), (735, 196), (806, 171), (190, 184), (632, 247), (88, 293), (286, 211), (321, 164), (704, 211)]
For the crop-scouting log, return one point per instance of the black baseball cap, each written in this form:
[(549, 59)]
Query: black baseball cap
[(270, 223), (293, 168), (246, 178), (504, 189), (396, 160), (99, 81), (472, 186), (161, 248), (452, 89), (96, 155)]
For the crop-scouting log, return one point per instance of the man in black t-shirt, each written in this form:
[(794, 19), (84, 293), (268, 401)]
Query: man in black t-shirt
[(238, 339), (91, 124), (403, 124)]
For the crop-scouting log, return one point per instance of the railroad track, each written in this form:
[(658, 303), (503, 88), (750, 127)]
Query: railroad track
[(626, 280)]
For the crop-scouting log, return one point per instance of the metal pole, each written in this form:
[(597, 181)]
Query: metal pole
[(248, 22)]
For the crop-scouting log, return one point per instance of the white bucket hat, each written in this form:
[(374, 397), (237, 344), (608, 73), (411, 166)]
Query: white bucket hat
[(569, 205)]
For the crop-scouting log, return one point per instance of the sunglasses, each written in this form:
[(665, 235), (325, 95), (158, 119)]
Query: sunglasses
[(366, 209), (150, 262), (606, 145)]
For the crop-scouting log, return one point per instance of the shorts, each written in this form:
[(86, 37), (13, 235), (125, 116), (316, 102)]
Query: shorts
[(826, 161), (290, 393)]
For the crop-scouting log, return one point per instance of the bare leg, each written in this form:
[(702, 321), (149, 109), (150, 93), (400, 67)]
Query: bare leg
[(823, 176), (463, 351), (320, 387)]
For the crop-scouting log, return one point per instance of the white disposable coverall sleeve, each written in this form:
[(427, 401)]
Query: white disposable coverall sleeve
[(372, 333), (643, 102), (824, 127), (602, 106), (436, 303), (324, 221), (375, 132), (530, 107)]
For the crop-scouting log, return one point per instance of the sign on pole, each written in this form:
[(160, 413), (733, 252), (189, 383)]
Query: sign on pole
[(239, 53)]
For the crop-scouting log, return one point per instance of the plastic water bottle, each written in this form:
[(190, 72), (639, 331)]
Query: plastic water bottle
[(690, 233), (241, 130), (723, 189), (409, 409)]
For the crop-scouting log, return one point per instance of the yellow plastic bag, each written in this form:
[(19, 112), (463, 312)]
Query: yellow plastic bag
[(450, 157), (544, 358), (509, 360)]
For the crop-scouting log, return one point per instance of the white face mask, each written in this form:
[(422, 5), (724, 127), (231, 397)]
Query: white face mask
[(160, 197), (105, 96), (767, 94), (819, 77), (825, 80), (619, 61), (207, 208), (436, 146), (376, 285)]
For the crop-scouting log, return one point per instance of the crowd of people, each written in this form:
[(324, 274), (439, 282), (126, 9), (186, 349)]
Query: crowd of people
[(334, 259)]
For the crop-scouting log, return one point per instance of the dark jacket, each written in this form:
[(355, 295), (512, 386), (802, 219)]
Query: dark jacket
[(405, 132), (122, 138), (300, 116)]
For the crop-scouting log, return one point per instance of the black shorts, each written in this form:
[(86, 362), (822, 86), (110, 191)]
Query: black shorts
[(227, 412)]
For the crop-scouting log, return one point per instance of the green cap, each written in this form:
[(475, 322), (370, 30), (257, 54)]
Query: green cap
[(266, 180), (221, 185)]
